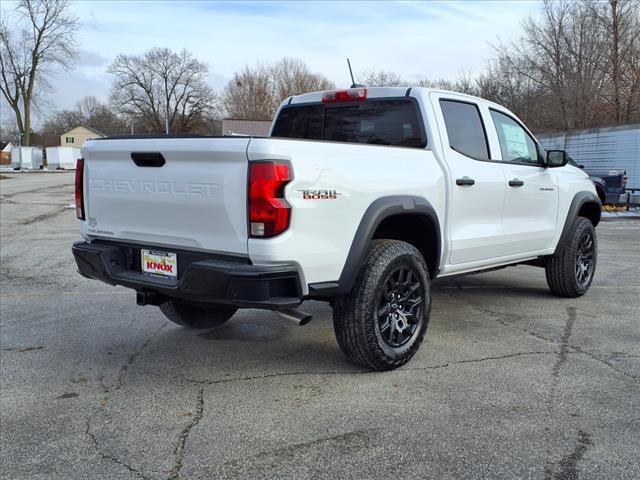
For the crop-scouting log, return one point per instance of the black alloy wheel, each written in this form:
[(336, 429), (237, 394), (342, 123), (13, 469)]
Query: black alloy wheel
[(382, 321), (585, 258), (400, 306), (570, 271)]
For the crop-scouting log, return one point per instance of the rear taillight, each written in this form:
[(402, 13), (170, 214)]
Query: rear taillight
[(351, 95), (269, 212), (80, 188)]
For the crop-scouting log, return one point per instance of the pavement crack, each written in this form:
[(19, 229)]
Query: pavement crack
[(555, 373), (23, 349), (605, 362), (352, 442), (96, 447), (560, 360), (106, 391), (124, 369), (43, 216), (503, 319), (567, 468), (363, 372), (49, 189), (174, 473), (269, 375), (484, 359), (564, 341)]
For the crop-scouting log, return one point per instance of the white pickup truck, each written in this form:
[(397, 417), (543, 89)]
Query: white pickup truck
[(359, 197)]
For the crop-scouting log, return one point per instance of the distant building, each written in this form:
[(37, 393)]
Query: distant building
[(249, 128), (78, 135)]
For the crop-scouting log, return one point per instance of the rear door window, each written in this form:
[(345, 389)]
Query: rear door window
[(465, 129), (393, 122)]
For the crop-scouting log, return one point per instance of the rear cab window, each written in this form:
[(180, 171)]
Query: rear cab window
[(392, 122), (465, 129)]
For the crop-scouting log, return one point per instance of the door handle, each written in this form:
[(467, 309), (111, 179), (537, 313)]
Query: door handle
[(148, 159), (516, 182), (465, 181)]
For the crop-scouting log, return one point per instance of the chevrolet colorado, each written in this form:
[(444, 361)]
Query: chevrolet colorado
[(359, 197)]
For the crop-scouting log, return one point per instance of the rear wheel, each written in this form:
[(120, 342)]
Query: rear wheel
[(570, 271), (380, 324), (197, 315)]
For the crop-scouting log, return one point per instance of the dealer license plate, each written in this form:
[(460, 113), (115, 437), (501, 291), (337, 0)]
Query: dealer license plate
[(159, 263)]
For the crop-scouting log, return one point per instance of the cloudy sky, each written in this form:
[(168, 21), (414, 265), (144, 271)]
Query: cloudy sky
[(435, 39)]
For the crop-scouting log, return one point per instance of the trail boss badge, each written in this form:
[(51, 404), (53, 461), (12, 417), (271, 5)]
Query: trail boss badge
[(320, 194)]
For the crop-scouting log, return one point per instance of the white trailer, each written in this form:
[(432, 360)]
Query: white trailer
[(62, 158), (29, 158)]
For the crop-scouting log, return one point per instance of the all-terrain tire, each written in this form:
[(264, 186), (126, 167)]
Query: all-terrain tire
[(198, 316), (363, 319), (564, 270)]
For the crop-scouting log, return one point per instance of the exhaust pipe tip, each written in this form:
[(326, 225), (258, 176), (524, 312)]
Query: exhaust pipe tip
[(296, 316)]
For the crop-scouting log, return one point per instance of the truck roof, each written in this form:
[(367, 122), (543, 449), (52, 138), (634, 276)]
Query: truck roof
[(378, 92)]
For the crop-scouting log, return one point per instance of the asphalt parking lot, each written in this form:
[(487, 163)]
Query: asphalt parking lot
[(511, 382)]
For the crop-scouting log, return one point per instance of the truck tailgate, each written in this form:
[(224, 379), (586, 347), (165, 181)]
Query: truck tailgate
[(196, 199)]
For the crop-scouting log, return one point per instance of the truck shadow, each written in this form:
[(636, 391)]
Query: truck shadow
[(142, 342)]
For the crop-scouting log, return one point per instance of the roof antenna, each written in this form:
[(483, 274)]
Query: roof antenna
[(353, 82)]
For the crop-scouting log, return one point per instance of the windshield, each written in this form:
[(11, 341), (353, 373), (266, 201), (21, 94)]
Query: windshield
[(381, 122)]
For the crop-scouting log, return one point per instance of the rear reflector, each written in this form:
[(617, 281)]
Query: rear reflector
[(351, 95), (269, 212), (80, 188)]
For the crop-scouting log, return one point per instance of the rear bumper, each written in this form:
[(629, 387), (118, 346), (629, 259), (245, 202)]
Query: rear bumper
[(201, 277)]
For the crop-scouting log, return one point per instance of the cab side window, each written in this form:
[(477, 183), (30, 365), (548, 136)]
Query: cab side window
[(465, 129), (516, 144)]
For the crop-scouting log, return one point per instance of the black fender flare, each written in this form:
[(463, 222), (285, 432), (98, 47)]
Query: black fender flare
[(601, 185), (579, 200), (379, 210)]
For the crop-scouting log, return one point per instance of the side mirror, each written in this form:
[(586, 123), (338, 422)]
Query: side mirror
[(556, 158)]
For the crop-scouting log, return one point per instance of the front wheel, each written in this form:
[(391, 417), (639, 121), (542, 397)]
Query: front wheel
[(381, 323), (198, 316), (570, 271)]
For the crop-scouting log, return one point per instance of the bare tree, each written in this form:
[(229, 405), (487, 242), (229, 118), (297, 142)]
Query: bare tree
[(293, 77), (542, 54), (162, 90), (43, 41), (88, 112), (581, 59), (250, 94), (501, 83), (255, 93), (381, 78), (620, 22), (9, 130), (464, 83)]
